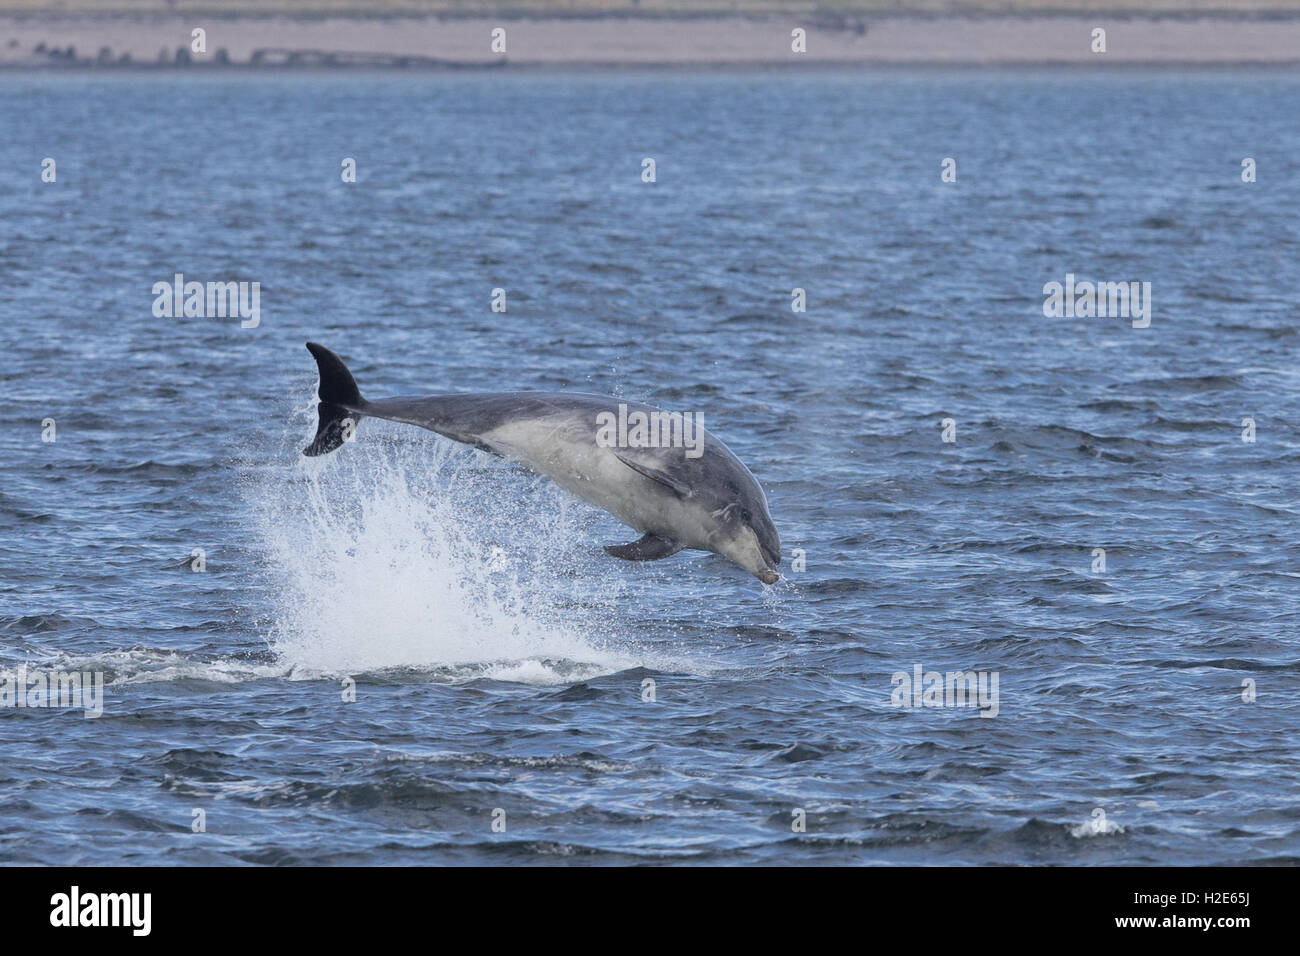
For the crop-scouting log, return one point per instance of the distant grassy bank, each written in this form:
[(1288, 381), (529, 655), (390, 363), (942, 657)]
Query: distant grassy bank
[(85, 34)]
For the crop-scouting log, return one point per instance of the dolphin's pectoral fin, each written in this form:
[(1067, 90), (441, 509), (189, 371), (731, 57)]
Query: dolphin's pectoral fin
[(654, 474), (651, 547)]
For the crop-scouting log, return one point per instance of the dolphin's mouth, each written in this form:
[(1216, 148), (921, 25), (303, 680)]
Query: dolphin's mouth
[(770, 574)]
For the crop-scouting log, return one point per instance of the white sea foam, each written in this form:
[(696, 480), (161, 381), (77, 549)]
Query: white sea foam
[(138, 665), (416, 555), (1099, 825)]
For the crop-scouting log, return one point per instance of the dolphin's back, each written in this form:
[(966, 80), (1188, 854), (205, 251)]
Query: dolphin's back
[(469, 418), (514, 424)]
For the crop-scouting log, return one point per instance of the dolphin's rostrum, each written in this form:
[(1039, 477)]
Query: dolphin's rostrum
[(704, 500)]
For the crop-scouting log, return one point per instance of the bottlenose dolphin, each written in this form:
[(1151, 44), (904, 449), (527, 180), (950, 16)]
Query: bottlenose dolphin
[(700, 497)]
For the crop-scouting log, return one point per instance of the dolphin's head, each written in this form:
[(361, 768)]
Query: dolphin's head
[(741, 530)]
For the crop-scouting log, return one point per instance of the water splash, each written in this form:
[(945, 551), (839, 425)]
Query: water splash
[(413, 554), (1099, 825)]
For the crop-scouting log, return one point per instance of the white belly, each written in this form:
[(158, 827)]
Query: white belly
[(583, 468)]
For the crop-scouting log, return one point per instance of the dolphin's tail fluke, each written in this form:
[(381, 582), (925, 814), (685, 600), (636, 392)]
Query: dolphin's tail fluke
[(340, 402)]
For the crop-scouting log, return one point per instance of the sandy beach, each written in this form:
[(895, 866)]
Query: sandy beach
[(840, 39)]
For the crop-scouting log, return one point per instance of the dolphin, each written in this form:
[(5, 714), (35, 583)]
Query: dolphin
[(699, 497)]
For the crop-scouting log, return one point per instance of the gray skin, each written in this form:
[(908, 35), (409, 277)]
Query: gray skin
[(708, 503)]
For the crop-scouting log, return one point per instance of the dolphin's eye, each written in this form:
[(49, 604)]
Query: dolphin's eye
[(745, 516)]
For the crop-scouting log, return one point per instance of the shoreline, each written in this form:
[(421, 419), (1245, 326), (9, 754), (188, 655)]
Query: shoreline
[(821, 17), (148, 42)]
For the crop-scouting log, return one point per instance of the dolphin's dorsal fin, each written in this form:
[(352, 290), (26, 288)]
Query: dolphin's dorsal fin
[(651, 547), (654, 474)]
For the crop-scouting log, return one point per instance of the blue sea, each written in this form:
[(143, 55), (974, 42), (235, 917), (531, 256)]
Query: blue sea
[(408, 652)]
